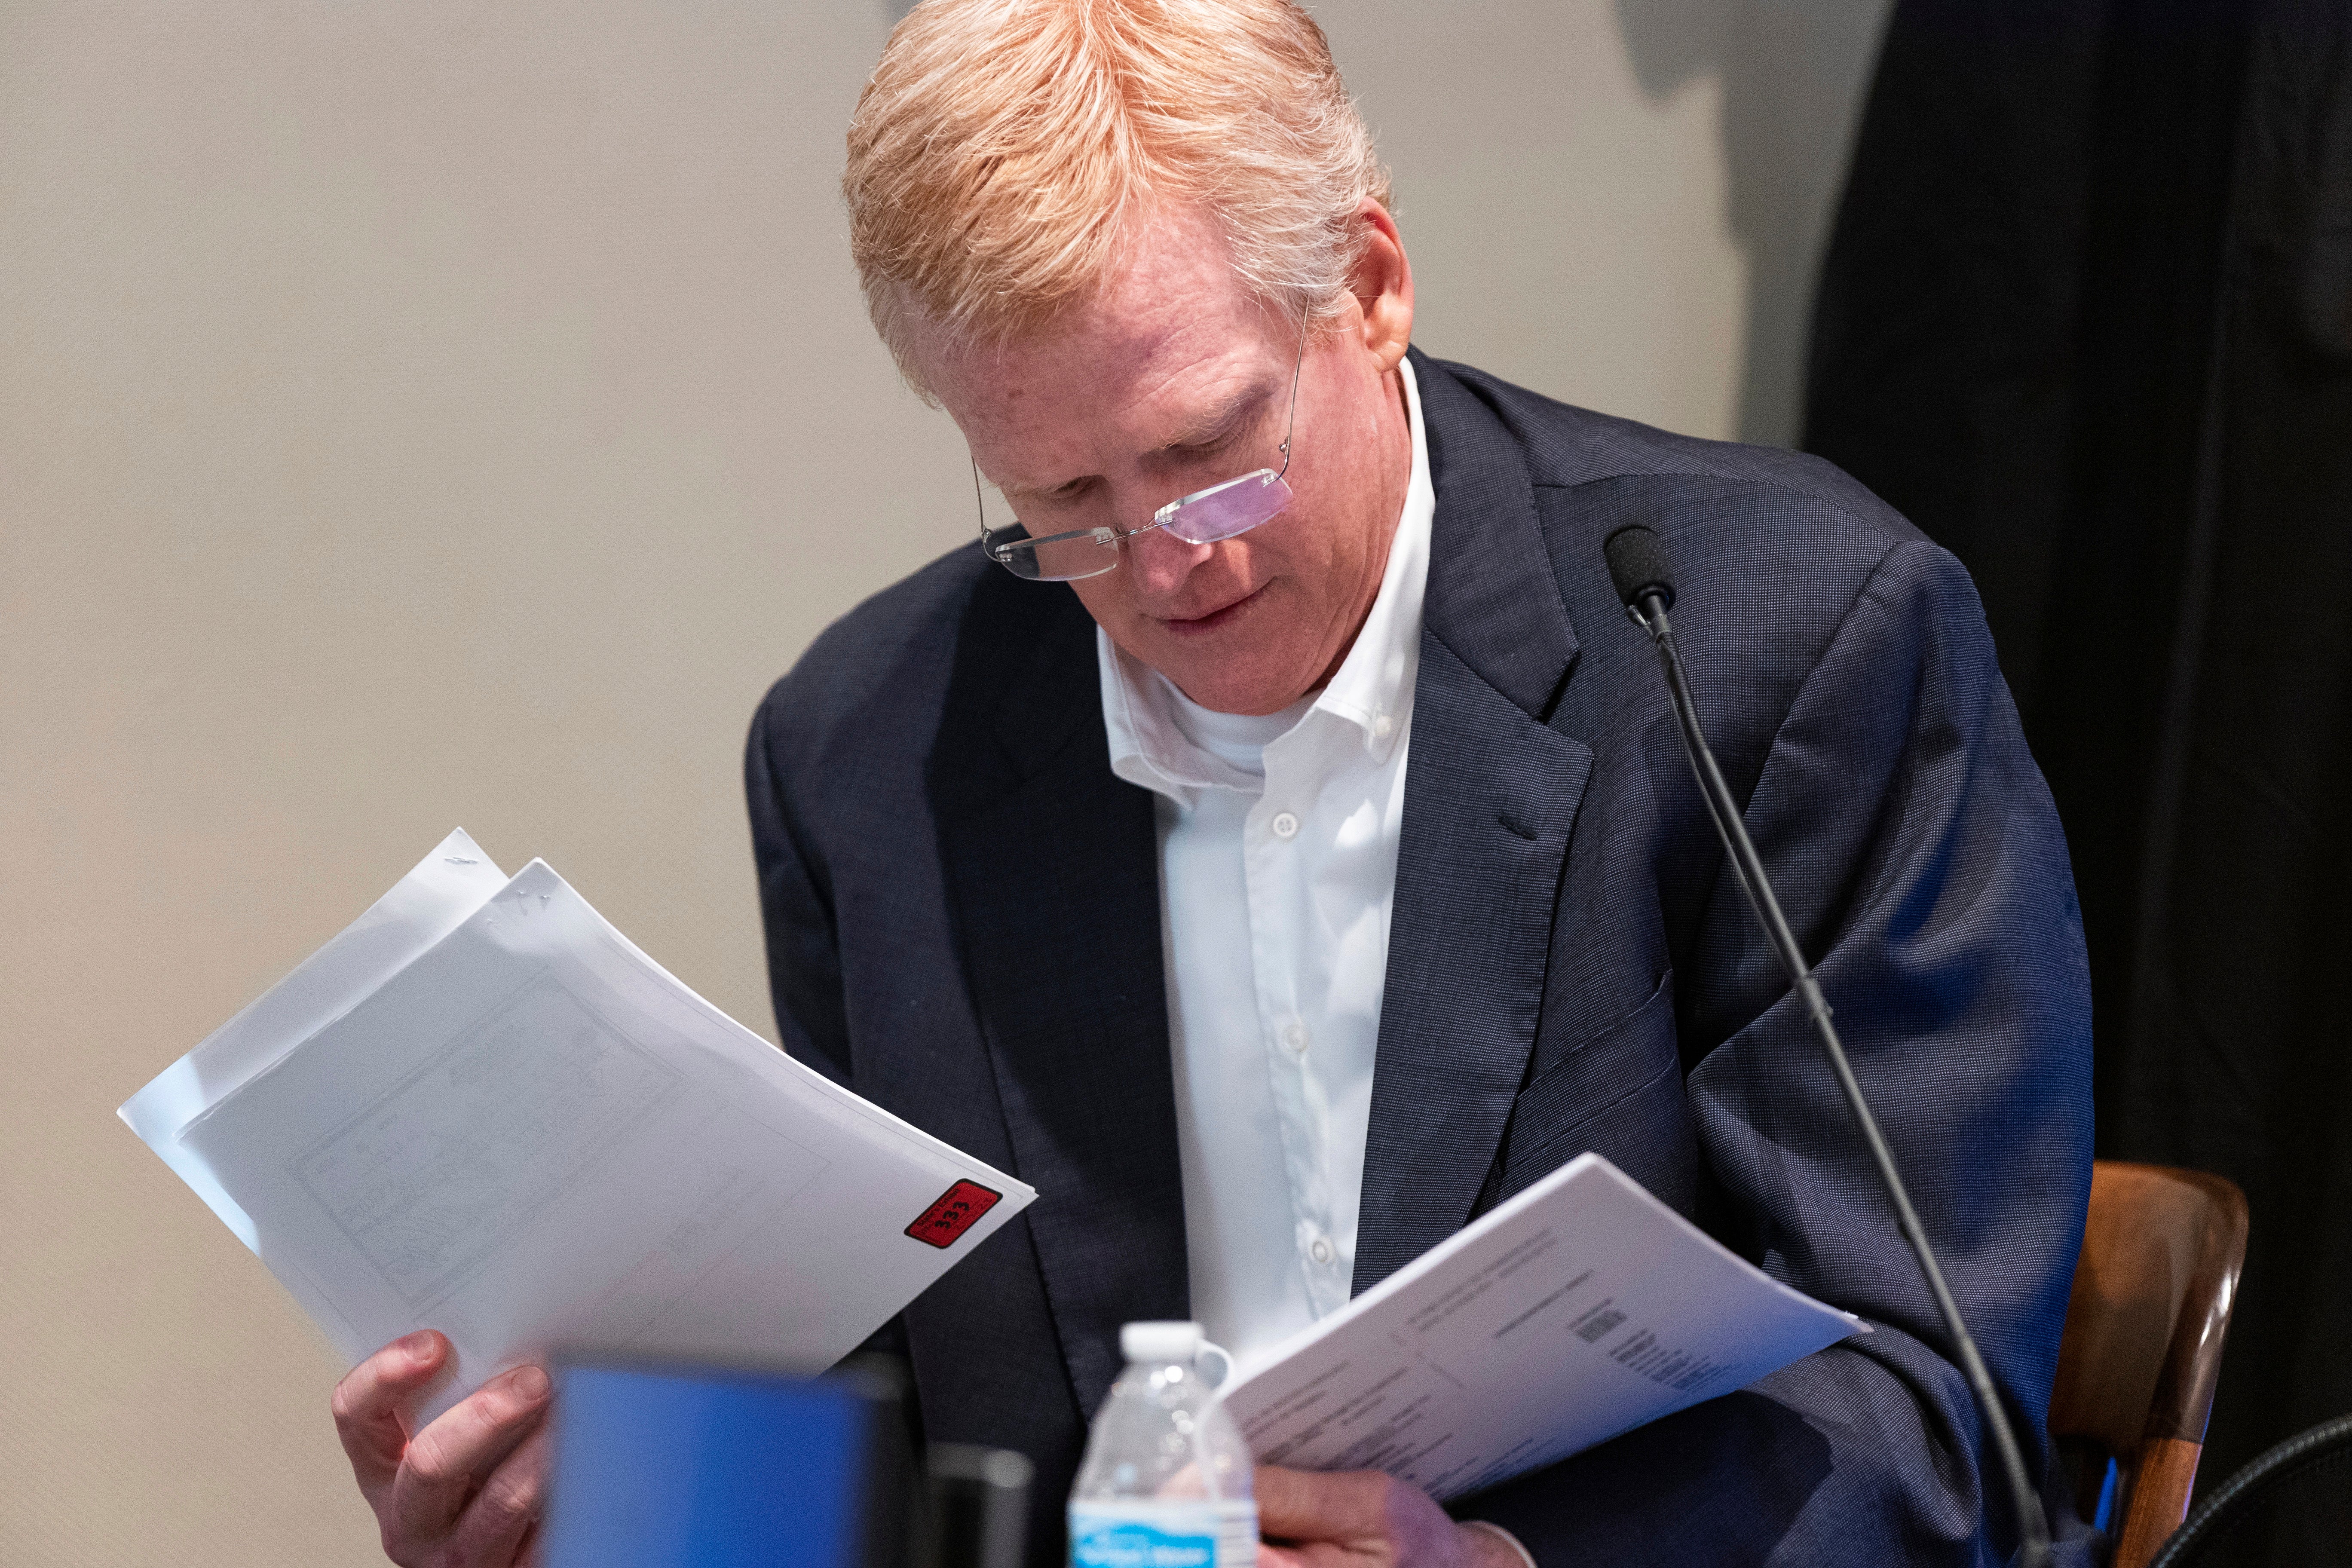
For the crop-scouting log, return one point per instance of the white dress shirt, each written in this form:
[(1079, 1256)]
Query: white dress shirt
[(1277, 868)]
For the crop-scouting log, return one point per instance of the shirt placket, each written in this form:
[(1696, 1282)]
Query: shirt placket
[(1279, 843)]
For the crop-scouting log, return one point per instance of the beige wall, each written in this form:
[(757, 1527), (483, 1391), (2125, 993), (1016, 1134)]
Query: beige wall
[(431, 412)]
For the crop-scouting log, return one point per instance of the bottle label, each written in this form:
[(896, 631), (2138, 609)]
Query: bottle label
[(1151, 1534)]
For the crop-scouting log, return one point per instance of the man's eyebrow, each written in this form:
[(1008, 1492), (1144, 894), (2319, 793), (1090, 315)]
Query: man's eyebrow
[(1220, 419)]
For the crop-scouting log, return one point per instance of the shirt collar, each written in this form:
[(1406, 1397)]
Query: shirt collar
[(1372, 690)]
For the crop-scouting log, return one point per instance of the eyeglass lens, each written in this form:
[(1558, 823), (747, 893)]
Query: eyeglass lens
[(1217, 513), (1224, 510), (1062, 557)]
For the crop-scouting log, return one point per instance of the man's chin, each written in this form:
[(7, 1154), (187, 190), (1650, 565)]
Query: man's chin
[(1222, 688), (1224, 661)]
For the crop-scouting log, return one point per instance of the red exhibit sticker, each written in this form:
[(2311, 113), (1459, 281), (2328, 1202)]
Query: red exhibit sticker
[(953, 1214)]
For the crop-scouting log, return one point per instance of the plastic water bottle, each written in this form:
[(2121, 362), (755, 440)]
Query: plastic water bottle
[(1166, 1480)]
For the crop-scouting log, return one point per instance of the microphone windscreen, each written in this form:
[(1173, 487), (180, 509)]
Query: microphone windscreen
[(1639, 565)]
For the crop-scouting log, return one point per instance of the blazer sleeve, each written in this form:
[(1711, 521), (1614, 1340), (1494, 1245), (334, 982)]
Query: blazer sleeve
[(795, 908), (1921, 862)]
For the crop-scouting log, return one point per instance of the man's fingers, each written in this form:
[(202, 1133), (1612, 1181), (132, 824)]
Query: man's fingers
[(446, 1460), (492, 1530), (1284, 1501), (368, 1403), (1306, 1505), (1358, 1518)]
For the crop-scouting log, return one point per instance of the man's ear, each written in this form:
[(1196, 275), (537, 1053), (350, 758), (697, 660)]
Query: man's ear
[(1382, 282)]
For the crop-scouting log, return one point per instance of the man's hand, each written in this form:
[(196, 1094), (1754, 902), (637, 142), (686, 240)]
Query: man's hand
[(1363, 1519), (464, 1492)]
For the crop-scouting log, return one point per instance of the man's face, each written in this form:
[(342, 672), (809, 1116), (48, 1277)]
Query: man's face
[(1172, 380)]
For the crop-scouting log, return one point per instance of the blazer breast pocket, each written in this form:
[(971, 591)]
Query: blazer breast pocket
[(1573, 1098)]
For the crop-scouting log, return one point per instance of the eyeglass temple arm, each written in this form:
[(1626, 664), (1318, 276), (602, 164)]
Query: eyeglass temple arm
[(987, 535), (1306, 323)]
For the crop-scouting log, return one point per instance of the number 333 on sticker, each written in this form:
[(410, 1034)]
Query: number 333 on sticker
[(955, 1212)]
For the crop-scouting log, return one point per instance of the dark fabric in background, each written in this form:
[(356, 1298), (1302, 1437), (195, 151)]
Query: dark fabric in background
[(2086, 317)]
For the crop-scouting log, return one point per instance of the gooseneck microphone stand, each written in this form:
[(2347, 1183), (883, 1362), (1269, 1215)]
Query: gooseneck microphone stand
[(1644, 576)]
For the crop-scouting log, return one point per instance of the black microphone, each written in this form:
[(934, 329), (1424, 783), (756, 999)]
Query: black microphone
[(1639, 566)]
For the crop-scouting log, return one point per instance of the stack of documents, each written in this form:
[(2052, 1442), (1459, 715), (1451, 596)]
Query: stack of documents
[(482, 1110), (1580, 1308)]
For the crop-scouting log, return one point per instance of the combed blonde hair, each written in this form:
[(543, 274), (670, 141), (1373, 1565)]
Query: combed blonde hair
[(1003, 148)]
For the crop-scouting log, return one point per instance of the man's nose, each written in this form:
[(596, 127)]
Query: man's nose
[(1161, 561)]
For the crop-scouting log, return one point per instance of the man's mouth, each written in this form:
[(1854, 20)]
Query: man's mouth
[(1214, 620)]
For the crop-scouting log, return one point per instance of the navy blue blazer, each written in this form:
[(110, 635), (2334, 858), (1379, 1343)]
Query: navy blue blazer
[(962, 918)]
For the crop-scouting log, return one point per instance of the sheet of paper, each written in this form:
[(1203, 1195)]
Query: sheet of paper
[(422, 908), (1580, 1308), (526, 1135)]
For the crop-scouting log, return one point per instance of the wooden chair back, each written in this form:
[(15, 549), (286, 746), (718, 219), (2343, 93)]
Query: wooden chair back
[(2142, 1347)]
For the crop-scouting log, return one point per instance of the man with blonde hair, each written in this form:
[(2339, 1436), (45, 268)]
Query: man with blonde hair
[(1319, 867)]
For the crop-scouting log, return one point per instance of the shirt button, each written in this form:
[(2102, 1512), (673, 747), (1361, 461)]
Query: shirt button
[(1382, 725), (1320, 1251), (1286, 826), (1294, 1035)]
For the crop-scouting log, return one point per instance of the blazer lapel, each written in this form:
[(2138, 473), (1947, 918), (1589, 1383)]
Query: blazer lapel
[(1491, 793), (1052, 871)]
